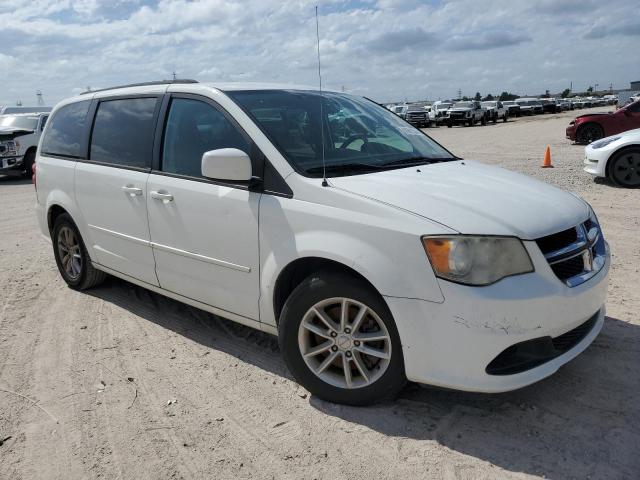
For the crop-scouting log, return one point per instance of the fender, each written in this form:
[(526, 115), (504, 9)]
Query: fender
[(380, 253)]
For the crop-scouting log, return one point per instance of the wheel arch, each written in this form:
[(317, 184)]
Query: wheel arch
[(616, 152), (299, 269), (53, 212), (589, 123)]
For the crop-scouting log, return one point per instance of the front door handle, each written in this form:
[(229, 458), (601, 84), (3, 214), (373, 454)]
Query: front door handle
[(132, 191), (165, 197)]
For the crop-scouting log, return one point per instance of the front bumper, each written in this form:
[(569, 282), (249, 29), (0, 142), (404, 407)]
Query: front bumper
[(595, 161), (11, 165), (450, 344), (571, 132)]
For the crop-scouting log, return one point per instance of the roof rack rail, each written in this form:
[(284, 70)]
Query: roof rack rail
[(143, 84)]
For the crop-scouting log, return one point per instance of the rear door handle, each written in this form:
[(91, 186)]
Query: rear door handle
[(165, 197), (132, 191)]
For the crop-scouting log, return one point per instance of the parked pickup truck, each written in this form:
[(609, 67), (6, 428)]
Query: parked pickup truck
[(513, 109), (467, 113), (496, 110), (19, 137), (418, 116)]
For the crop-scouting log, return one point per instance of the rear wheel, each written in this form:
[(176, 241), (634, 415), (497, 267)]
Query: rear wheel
[(624, 168), (339, 340), (71, 255), (589, 132)]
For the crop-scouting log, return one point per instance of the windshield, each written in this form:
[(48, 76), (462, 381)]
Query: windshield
[(444, 106), (359, 135), (528, 102), (463, 105), (26, 122), (488, 104), (398, 109)]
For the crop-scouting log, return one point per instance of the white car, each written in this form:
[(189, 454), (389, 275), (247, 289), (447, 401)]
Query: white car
[(19, 137), (616, 157), (373, 253)]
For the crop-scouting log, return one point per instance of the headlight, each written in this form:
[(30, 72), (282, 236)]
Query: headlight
[(604, 142), (474, 260)]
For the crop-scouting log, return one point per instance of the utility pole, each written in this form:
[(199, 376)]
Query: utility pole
[(459, 93), (39, 97), (174, 74), (19, 103), (596, 88)]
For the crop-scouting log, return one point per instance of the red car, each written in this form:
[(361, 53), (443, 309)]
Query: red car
[(593, 126)]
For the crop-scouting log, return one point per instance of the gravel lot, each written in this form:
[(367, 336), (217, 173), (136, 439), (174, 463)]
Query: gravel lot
[(132, 385)]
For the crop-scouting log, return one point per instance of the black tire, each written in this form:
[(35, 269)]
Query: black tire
[(471, 122), (449, 125), (504, 118), (328, 285), (589, 132), (87, 275), (495, 119), (483, 120), (624, 168), (27, 163)]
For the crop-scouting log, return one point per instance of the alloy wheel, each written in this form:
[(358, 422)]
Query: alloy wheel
[(344, 343), (69, 252), (626, 169)]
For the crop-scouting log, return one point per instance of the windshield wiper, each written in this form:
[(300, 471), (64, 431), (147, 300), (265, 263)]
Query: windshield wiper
[(345, 167), (413, 161)]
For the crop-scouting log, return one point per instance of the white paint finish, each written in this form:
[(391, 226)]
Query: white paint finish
[(596, 159), (205, 242), (118, 220), (378, 241), (451, 343), (228, 164), (473, 198)]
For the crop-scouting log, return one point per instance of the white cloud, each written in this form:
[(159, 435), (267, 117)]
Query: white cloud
[(386, 49)]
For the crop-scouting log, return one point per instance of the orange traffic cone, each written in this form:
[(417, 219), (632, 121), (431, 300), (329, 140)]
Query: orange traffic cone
[(546, 163)]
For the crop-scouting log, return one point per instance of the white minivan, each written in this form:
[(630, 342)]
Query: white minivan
[(375, 254)]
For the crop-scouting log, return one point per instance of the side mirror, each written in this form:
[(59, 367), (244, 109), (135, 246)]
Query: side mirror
[(226, 164)]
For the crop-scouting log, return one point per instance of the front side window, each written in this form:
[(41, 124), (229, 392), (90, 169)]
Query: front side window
[(123, 132), (66, 130), (193, 128), (359, 136)]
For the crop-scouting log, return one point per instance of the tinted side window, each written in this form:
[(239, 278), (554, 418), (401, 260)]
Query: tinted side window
[(634, 107), (66, 131), (123, 132), (194, 127)]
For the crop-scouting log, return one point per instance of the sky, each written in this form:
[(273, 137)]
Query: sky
[(388, 50)]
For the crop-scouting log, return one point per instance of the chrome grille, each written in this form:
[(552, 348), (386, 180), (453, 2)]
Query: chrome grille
[(576, 254)]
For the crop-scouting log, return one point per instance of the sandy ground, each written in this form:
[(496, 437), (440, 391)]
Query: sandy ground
[(132, 385)]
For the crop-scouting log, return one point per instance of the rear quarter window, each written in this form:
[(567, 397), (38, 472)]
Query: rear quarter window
[(66, 130)]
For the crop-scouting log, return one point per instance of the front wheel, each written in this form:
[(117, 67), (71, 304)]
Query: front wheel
[(588, 133), (340, 342), (624, 169), (27, 163), (71, 255)]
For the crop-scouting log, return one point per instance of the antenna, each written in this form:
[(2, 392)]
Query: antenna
[(324, 167)]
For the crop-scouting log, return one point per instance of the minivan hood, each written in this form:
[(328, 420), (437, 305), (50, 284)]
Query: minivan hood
[(473, 198)]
